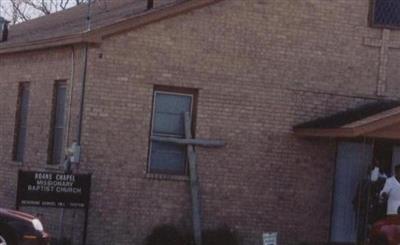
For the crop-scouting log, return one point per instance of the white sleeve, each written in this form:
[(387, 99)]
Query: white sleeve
[(386, 187)]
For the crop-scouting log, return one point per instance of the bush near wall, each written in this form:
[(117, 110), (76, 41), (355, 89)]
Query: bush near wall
[(165, 235), (220, 236), (170, 235), (325, 243)]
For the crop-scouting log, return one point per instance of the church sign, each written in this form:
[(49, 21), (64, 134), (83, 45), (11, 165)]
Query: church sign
[(50, 189)]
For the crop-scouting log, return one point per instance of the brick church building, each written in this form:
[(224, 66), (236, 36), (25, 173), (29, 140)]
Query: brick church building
[(304, 94)]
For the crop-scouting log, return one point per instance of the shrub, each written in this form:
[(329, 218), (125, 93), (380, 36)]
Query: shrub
[(165, 235), (170, 235), (220, 236)]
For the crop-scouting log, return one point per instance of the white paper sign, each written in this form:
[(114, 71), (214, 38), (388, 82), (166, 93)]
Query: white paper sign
[(270, 238)]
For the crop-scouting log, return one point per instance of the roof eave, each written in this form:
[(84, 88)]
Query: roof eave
[(348, 131), (324, 133), (48, 43)]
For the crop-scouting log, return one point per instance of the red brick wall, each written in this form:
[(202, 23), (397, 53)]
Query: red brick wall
[(261, 67)]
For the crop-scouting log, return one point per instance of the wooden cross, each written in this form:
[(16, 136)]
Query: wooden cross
[(190, 142), (384, 44)]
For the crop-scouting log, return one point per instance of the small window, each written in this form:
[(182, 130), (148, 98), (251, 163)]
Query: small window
[(57, 123), (385, 13), (168, 121), (21, 119)]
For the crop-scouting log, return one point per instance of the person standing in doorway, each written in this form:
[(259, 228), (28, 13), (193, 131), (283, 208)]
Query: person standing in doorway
[(377, 208), (391, 192)]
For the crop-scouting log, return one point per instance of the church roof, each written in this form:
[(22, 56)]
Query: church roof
[(72, 21), (107, 17)]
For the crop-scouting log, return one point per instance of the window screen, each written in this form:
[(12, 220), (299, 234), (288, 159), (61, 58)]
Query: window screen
[(58, 123), (386, 13), (168, 121), (21, 122)]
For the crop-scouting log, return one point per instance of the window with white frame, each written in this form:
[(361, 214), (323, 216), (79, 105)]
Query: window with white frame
[(168, 120)]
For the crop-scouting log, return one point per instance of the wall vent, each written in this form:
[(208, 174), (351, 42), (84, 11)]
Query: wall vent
[(161, 3), (150, 4)]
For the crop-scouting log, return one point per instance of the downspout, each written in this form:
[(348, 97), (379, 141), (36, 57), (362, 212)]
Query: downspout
[(83, 90), (67, 134), (71, 88), (84, 78), (81, 111)]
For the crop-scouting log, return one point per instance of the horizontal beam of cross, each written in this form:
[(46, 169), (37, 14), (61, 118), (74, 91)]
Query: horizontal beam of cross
[(199, 142)]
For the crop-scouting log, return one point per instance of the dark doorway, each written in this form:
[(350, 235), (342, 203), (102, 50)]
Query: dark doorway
[(383, 154), (356, 203)]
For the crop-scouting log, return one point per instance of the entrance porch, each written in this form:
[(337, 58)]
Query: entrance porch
[(367, 137)]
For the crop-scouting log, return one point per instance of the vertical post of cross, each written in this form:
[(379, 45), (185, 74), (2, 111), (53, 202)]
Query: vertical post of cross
[(194, 183)]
